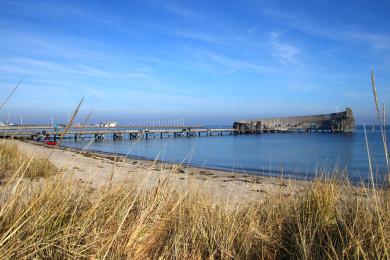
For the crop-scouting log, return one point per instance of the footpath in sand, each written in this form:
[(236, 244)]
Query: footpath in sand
[(99, 170)]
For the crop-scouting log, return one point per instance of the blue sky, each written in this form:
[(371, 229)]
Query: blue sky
[(210, 62)]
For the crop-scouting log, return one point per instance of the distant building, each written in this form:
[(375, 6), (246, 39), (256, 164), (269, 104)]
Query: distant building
[(2, 124), (108, 124)]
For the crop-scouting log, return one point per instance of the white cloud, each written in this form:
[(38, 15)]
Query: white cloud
[(41, 66), (376, 40), (274, 36), (182, 12), (235, 64), (357, 94), (198, 36), (252, 30), (284, 52), (42, 55), (350, 34), (62, 11)]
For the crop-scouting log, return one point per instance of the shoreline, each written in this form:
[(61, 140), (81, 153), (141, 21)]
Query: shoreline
[(100, 169), (244, 172), (263, 173), (277, 174)]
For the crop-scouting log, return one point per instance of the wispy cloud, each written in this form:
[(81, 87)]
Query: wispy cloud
[(351, 34), (197, 36), (356, 94), (46, 68), (284, 52), (232, 64), (97, 93), (63, 11), (71, 55), (252, 30), (177, 10), (375, 40)]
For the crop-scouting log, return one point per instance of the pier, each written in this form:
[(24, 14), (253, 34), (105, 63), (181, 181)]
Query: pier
[(339, 122), (101, 133)]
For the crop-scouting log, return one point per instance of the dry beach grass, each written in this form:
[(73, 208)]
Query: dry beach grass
[(62, 204), (55, 216)]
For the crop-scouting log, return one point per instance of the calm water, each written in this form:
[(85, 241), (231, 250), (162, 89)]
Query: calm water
[(298, 155)]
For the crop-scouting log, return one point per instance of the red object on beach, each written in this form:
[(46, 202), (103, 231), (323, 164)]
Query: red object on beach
[(51, 143)]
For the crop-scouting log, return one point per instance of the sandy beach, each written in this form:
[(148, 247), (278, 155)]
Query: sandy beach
[(98, 170)]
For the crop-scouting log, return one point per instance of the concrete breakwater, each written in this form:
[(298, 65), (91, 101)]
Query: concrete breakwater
[(339, 122)]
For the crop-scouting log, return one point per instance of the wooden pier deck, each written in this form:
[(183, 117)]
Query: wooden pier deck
[(100, 133)]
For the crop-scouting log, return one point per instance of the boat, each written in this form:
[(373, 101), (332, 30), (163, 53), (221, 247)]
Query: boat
[(108, 124), (51, 142)]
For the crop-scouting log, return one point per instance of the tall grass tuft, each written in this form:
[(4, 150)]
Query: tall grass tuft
[(11, 159), (381, 120)]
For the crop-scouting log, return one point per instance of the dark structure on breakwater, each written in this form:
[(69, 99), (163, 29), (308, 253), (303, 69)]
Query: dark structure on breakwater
[(340, 122)]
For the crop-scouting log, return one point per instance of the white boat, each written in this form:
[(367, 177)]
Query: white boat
[(108, 124)]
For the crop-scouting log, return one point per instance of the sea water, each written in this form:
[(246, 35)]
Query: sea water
[(296, 155)]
